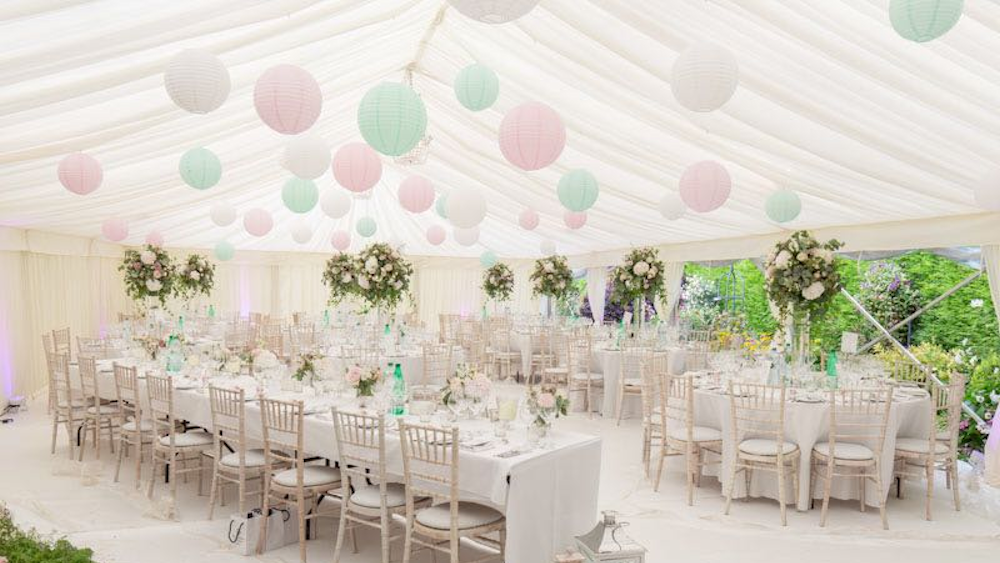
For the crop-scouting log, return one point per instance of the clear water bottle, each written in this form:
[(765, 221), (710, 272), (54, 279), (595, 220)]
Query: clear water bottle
[(398, 391)]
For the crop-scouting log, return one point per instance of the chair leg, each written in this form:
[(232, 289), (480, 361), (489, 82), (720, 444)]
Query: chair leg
[(953, 472), (214, 490), (385, 534), (301, 505), (882, 500), (340, 536), (781, 490), (659, 468), (408, 538), (138, 460), (732, 484), (621, 401), (152, 477), (55, 432), (688, 458), (83, 439), (265, 509), (862, 485), (929, 471), (121, 454), (827, 479)]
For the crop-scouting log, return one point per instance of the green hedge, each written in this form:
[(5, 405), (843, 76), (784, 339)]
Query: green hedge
[(19, 546)]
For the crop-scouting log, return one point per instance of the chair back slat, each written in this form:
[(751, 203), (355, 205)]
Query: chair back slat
[(89, 385), (430, 460), (860, 415), (127, 392), (360, 445), (908, 372), (758, 411), (282, 427), (160, 397)]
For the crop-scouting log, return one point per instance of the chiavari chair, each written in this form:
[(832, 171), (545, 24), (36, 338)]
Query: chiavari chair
[(579, 355), (135, 430), (680, 433), (906, 372), (99, 417), (171, 447), (69, 409), (61, 341), (629, 378), (234, 462)]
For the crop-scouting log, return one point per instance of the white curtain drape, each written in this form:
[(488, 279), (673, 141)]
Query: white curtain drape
[(991, 260), (673, 280), (597, 282)]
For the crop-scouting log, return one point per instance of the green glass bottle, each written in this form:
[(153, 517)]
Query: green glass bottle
[(211, 311), (398, 391), (831, 369)]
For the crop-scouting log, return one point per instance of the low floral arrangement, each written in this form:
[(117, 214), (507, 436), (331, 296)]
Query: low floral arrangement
[(363, 380), (551, 277), (467, 383), (307, 368), (339, 277), (195, 277), (801, 275), (148, 274), (383, 276), (545, 403), (498, 282), (151, 345), (639, 275)]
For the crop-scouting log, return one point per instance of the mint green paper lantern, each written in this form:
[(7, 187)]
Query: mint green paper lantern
[(366, 227), (441, 206), (392, 118), (300, 195), (477, 87), (578, 190), (924, 20), (488, 259), (783, 206), (224, 251), (200, 168)]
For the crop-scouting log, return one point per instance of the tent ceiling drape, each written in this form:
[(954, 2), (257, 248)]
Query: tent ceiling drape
[(868, 127)]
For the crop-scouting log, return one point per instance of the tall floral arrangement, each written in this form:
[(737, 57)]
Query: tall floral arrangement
[(801, 275), (639, 275), (339, 277), (498, 282), (383, 276), (148, 273), (195, 277), (551, 277)]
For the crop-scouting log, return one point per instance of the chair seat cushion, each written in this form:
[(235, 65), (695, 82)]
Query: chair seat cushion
[(845, 450), (188, 439), (470, 515), (253, 458), (632, 382), (584, 376), (557, 370), (105, 409), (312, 476), (919, 445), (368, 497), (698, 434), (145, 425), (765, 447)]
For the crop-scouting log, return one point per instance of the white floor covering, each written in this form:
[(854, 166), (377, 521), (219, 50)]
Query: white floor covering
[(52, 494)]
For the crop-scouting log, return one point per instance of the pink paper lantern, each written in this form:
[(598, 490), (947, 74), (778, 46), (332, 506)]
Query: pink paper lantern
[(356, 166), (528, 219), (416, 194), (575, 219), (705, 186), (435, 234), (80, 173), (154, 238), (341, 240), (115, 229), (258, 222), (287, 99), (532, 136)]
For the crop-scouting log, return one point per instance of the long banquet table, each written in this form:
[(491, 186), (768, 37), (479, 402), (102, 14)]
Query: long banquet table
[(548, 495)]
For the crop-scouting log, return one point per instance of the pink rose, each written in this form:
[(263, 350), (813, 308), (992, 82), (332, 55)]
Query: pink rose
[(353, 375), (546, 401)]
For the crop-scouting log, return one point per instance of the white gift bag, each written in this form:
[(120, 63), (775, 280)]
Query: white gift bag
[(245, 530)]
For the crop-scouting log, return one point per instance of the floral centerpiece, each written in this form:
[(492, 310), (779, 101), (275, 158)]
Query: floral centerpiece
[(639, 275), (383, 276), (545, 404), (498, 282), (339, 277), (151, 345), (149, 274), (466, 384), (307, 368), (363, 380), (551, 277), (195, 277)]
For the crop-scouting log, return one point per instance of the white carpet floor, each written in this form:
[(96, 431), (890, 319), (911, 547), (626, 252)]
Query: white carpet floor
[(81, 502)]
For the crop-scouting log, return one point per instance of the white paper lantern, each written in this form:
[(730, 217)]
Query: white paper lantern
[(987, 190), (466, 207), (547, 247), (466, 237), (307, 156), (672, 206), (223, 213), (196, 81), (494, 11), (302, 233), (704, 77), (335, 203)]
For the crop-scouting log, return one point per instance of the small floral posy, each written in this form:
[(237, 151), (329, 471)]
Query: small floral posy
[(195, 277), (148, 273), (307, 368), (639, 275), (362, 380), (551, 277), (467, 383), (546, 403), (498, 282)]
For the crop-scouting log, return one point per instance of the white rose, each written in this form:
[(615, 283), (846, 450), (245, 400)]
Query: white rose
[(346, 278), (371, 265), (195, 275), (387, 267), (549, 267), (397, 284), (640, 268), (147, 257), (153, 286), (782, 259), (652, 271), (801, 256), (363, 282), (814, 291)]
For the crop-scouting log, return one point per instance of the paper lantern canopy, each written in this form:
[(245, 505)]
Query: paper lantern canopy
[(288, 99), (196, 81), (488, 259), (705, 186), (441, 206), (528, 219), (477, 87), (258, 222), (300, 196), (704, 77), (301, 233), (80, 173), (672, 206), (987, 190), (532, 136), (578, 190), (924, 20), (357, 167), (224, 251), (223, 213), (335, 203), (466, 237), (435, 234), (416, 194), (783, 206), (494, 11), (200, 168), (392, 118), (154, 238), (115, 229), (366, 226), (547, 247), (341, 240), (575, 219), (307, 156), (466, 207)]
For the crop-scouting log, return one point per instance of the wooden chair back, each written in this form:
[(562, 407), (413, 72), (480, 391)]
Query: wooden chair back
[(859, 416), (437, 363), (127, 393), (360, 446), (61, 340), (906, 372), (430, 463), (282, 430), (757, 411), (160, 397), (229, 419)]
